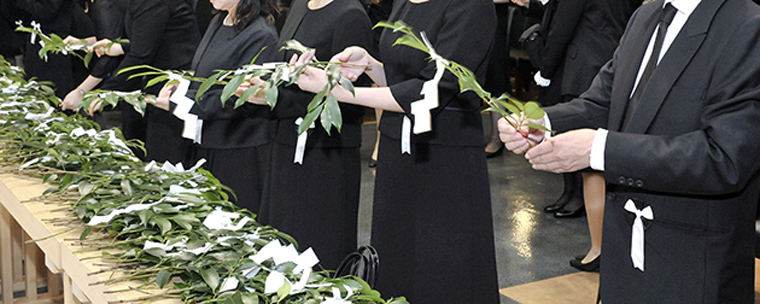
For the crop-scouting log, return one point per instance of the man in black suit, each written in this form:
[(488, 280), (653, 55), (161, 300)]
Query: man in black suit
[(678, 141)]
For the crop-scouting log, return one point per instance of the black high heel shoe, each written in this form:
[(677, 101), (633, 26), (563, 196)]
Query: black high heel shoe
[(592, 266), (495, 153), (559, 203), (573, 208)]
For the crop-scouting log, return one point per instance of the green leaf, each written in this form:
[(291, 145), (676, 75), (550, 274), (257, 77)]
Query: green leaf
[(156, 80), (411, 42), (271, 94), (284, 291), (533, 110), (164, 224), (231, 87), (126, 187), (163, 277), (85, 233), (537, 127), (246, 94), (211, 277), (310, 118), (347, 84), (331, 115), (207, 85)]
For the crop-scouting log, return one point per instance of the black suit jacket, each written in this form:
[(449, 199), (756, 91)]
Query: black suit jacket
[(690, 152), (582, 35)]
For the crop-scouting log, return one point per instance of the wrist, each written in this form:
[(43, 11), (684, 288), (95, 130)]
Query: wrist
[(81, 92)]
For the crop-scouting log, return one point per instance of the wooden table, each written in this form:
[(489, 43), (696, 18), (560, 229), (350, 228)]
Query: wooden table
[(26, 245)]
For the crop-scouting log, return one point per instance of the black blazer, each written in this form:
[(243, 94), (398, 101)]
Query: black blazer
[(690, 152), (582, 35), (162, 33)]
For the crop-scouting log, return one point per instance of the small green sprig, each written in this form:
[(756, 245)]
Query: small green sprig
[(104, 98), (517, 113), (54, 44)]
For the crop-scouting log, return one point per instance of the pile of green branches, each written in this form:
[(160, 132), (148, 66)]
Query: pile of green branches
[(170, 227)]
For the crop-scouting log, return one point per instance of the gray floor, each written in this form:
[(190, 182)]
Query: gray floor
[(530, 245)]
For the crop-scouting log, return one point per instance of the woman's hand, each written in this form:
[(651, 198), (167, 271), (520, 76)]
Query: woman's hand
[(257, 98), (162, 100), (312, 79), (102, 48), (72, 100), (74, 40), (354, 62)]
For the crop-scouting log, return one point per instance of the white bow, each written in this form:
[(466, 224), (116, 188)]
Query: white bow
[(38, 28), (301, 142), (637, 233)]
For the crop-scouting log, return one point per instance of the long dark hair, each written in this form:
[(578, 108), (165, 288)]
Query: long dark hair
[(248, 10)]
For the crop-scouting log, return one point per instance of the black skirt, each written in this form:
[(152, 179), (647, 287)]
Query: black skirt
[(245, 170), (317, 203), (432, 224)]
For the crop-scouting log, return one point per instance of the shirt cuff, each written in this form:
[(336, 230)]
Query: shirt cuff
[(596, 157)]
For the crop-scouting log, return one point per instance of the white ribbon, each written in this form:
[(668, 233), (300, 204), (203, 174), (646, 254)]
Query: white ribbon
[(406, 136), (301, 142), (38, 28), (637, 233), (193, 127)]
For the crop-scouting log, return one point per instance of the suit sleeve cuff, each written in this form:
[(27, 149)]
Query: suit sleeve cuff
[(597, 150)]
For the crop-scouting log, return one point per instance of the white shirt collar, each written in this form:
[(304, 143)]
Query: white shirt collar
[(683, 6)]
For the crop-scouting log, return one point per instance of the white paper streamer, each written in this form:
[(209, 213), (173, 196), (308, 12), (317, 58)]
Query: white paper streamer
[(637, 233), (421, 109), (99, 219), (406, 136), (301, 142), (193, 126)]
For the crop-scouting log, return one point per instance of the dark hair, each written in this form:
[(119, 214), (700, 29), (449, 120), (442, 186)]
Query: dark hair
[(248, 10)]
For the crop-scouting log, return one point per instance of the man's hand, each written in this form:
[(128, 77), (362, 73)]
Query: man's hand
[(523, 3), (520, 141), (567, 152)]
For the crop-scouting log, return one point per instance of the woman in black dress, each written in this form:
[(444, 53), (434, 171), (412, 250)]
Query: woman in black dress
[(235, 142), (317, 201), (163, 34), (431, 222)]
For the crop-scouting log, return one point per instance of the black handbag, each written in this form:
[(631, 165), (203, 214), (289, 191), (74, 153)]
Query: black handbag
[(533, 43), (362, 263)]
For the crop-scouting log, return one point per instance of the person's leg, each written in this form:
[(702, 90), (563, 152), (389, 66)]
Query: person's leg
[(593, 194), (373, 158), (494, 147)]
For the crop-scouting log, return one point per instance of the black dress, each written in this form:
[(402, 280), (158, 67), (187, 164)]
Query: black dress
[(163, 34), (432, 222), (317, 202), (235, 142)]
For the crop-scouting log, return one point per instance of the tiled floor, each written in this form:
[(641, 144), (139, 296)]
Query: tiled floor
[(530, 245)]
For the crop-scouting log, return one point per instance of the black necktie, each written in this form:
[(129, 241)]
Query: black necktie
[(666, 16)]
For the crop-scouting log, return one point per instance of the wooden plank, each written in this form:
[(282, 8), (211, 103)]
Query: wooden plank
[(17, 246), (6, 257), (31, 265), (573, 288)]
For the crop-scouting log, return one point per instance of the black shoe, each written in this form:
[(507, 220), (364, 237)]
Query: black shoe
[(592, 266), (573, 208), (372, 162), (558, 204), (495, 153)]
